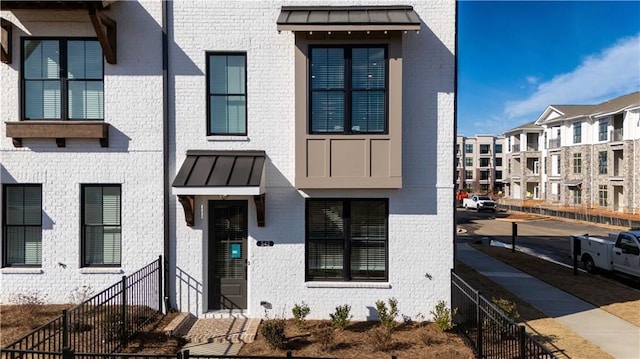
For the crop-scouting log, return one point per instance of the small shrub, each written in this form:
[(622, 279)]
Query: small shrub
[(381, 338), (386, 315), (508, 307), (341, 317), (300, 312), (29, 306), (325, 335), (80, 294), (443, 316), (273, 332)]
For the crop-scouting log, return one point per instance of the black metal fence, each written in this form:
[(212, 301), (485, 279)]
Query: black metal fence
[(103, 323), (489, 331), (70, 354)]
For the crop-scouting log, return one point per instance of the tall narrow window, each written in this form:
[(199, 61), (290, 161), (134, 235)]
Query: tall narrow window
[(348, 90), (498, 148), (603, 194), (62, 79), (577, 132), (602, 129), (346, 240), (227, 94), (577, 163), (602, 163), (101, 244), (22, 225)]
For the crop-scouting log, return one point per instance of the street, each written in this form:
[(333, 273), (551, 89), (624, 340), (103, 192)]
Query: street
[(545, 237)]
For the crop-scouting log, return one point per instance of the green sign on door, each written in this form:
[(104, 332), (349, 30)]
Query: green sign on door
[(235, 251)]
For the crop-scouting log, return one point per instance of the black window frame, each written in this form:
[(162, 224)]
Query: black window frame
[(348, 89), (5, 225), (208, 94), (498, 148), (83, 225), (466, 172), (346, 264), (485, 148), (484, 162), (64, 80), (498, 162)]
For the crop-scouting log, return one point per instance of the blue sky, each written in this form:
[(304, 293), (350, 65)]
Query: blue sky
[(517, 57)]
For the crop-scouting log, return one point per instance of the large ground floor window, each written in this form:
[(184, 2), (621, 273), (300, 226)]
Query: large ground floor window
[(347, 239)]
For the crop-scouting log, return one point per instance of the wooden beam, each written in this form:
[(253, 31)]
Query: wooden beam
[(105, 29), (260, 208), (59, 130), (187, 204), (6, 40)]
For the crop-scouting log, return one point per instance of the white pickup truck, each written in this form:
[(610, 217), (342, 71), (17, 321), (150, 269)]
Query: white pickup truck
[(619, 252), (479, 203)]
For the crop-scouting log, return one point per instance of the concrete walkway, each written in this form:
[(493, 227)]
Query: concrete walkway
[(613, 335)]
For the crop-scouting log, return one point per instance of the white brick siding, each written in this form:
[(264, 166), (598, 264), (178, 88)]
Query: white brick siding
[(133, 108), (421, 213)]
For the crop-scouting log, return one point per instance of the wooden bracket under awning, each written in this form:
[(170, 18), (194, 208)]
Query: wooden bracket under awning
[(105, 29), (5, 39)]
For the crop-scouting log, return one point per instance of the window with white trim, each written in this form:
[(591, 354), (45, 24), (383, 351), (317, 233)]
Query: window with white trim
[(101, 228), (22, 225)]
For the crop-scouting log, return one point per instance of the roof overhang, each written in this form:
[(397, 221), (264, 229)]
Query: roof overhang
[(221, 173), (573, 183), (104, 26), (348, 18), (230, 173)]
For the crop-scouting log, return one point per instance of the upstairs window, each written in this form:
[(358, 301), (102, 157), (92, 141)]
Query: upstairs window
[(602, 163), (468, 174), (498, 161), (484, 162), (22, 225), (484, 149), (62, 79), (468, 148), (577, 132), (602, 130), (227, 94), (101, 245), (498, 147), (348, 90), (577, 163), (468, 161)]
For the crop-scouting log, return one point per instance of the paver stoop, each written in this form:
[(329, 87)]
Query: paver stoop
[(229, 330), (180, 325)]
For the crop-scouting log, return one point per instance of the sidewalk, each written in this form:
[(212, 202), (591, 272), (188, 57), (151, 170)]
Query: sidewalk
[(613, 335)]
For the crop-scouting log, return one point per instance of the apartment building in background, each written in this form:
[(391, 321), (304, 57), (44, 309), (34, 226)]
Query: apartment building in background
[(525, 162), (592, 154), (273, 152), (480, 165)]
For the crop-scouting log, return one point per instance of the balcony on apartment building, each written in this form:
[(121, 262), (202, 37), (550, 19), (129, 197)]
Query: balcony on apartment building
[(554, 143), (515, 148), (616, 135)]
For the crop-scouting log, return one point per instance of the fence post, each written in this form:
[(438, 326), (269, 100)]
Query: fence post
[(67, 353), (289, 355), (522, 342), (514, 234), (65, 329), (123, 312), (479, 325), (160, 286), (185, 354)]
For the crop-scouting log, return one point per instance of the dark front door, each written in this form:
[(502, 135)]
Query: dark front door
[(227, 267)]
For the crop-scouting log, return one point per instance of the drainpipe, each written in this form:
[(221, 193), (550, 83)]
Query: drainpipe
[(455, 136), (165, 152), (635, 184)]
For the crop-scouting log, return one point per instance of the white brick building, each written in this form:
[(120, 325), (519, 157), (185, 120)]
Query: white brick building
[(65, 154), (307, 158)]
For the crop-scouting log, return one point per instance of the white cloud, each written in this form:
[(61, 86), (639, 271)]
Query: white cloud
[(532, 80), (613, 72)]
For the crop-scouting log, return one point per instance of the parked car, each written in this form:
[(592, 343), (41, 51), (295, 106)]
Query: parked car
[(620, 252), (479, 203)]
